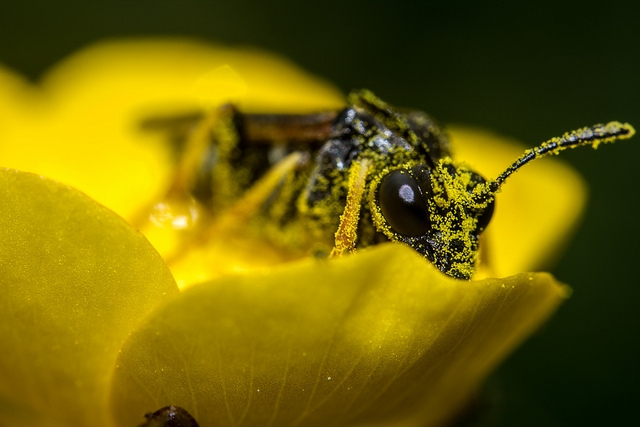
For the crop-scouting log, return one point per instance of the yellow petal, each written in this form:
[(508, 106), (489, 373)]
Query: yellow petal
[(536, 209), (323, 343), (75, 279)]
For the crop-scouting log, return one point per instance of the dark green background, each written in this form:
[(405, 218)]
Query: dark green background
[(527, 71)]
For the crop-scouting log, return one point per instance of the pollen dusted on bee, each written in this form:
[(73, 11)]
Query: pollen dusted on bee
[(361, 176)]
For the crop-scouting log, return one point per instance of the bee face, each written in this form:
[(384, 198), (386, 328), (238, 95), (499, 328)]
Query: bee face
[(436, 211)]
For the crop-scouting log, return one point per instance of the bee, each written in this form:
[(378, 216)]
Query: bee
[(332, 182)]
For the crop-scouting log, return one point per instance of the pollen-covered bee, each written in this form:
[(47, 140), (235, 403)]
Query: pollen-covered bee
[(332, 182)]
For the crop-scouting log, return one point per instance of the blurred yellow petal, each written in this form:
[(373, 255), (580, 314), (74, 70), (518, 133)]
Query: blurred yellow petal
[(17, 96), (163, 75), (329, 343), (75, 280), (536, 209)]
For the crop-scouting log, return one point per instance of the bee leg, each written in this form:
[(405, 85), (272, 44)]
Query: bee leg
[(236, 216), (252, 200), (218, 126), (347, 233)]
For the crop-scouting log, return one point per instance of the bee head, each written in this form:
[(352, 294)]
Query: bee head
[(441, 210)]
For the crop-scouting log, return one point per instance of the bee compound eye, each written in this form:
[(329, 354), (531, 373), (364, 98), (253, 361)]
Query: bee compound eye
[(403, 205)]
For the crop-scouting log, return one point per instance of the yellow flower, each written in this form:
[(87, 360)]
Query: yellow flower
[(97, 333)]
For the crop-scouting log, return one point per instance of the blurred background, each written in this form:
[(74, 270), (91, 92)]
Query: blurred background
[(531, 72)]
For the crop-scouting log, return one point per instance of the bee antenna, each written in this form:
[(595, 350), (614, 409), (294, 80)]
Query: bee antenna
[(593, 135)]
